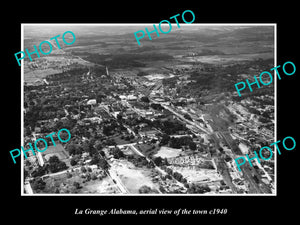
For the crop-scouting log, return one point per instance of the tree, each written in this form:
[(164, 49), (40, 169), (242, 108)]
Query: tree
[(27, 131), (141, 73), (119, 117), (103, 164), (107, 130), (117, 153), (83, 169), (188, 117), (76, 185), (177, 176), (158, 160), (95, 160), (264, 120), (165, 162), (169, 171), (98, 145), (73, 149), (55, 165), (192, 146), (40, 171), (94, 177), (73, 162), (53, 159), (145, 99), (145, 189), (38, 184), (26, 173), (165, 139), (86, 146), (198, 188), (59, 125)]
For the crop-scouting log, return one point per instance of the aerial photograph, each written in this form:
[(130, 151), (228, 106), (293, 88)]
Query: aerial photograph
[(159, 118)]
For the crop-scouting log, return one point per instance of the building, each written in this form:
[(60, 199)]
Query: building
[(92, 102)]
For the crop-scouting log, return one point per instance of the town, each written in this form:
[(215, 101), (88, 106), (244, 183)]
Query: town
[(131, 135), (150, 123)]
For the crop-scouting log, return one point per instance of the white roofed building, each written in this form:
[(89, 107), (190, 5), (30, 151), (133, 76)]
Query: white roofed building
[(92, 102)]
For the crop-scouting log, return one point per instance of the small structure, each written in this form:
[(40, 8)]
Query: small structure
[(92, 102)]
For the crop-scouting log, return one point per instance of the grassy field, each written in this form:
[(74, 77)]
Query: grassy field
[(132, 177), (116, 48), (167, 152), (41, 67)]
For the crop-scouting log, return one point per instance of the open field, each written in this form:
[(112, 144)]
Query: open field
[(116, 48), (196, 175), (58, 151), (167, 152), (105, 186), (222, 59), (132, 177)]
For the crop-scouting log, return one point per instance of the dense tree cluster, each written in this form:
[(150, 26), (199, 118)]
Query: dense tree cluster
[(40, 171), (147, 190), (38, 184), (145, 99), (182, 141), (169, 127), (156, 106), (74, 160), (74, 149), (117, 153), (140, 161), (178, 176), (103, 164), (160, 161), (198, 189), (55, 165), (178, 142)]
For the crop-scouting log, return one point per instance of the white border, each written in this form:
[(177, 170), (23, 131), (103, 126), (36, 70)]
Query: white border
[(143, 24)]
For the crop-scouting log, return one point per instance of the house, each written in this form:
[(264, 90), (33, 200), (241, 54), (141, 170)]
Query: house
[(37, 130), (92, 102), (131, 98)]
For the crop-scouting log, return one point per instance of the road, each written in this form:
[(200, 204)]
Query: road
[(61, 172), (182, 117), (112, 174)]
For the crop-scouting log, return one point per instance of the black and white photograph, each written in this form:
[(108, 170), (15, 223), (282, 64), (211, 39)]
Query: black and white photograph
[(158, 117), (149, 112)]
